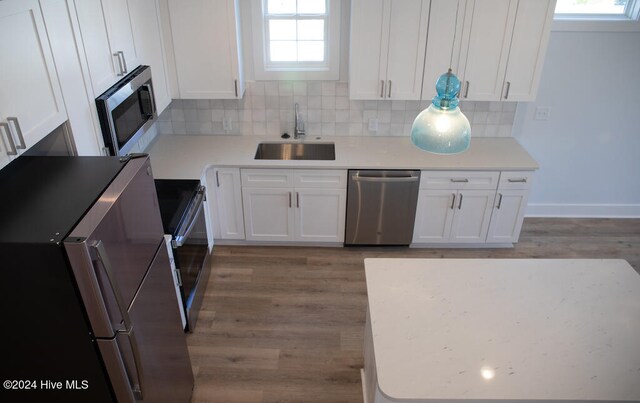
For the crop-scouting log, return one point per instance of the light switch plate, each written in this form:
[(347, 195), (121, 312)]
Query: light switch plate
[(542, 113), (373, 125), (226, 124)]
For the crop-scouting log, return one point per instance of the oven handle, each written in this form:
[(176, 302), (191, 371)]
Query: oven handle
[(189, 222)]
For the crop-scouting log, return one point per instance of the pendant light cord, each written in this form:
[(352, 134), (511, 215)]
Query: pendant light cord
[(455, 29)]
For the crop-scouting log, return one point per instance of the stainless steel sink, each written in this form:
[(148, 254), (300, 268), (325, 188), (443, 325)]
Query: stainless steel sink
[(296, 151)]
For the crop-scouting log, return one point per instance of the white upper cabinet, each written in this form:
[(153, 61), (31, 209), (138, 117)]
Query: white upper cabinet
[(108, 40), (145, 18), (504, 43), (206, 42), (31, 104), (388, 40)]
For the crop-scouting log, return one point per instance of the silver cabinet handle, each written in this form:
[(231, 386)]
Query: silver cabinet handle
[(381, 179), (297, 200), (11, 146), (289, 199), (102, 256), (235, 85), (460, 202), (460, 180), (16, 124), (217, 179), (381, 88), (521, 180), (506, 95), (389, 96), (124, 61), (117, 55), (466, 89), (453, 200), (499, 201)]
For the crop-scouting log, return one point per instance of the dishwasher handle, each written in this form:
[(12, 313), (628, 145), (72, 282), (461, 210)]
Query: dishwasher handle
[(383, 179)]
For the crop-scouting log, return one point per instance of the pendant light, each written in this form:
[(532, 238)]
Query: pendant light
[(442, 128)]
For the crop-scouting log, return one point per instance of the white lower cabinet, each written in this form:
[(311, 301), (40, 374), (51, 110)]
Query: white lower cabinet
[(509, 207), (294, 205), (454, 206), (224, 193)]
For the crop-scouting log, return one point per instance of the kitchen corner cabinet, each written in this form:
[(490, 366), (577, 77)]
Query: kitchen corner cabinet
[(294, 205), (388, 40), (454, 207), (207, 48), (31, 104), (509, 207), (224, 195), (503, 47), (109, 44)]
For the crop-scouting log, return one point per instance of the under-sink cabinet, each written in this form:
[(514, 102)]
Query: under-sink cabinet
[(294, 205), (224, 196)]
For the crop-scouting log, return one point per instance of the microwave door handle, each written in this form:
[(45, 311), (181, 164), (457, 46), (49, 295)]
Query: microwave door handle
[(103, 257), (152, 102), (191, 219)]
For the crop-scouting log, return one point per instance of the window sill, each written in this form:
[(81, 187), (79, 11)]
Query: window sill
[(584, 25)]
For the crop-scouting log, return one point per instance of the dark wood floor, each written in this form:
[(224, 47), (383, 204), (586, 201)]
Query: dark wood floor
[(285, 324)]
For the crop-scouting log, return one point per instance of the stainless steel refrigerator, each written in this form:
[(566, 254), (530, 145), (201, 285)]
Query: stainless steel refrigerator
[(88, 307)]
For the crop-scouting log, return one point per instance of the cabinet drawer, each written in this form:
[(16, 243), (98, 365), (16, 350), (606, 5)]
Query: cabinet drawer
[(320, 178), (267, 178), (515, 180), (459, 180)]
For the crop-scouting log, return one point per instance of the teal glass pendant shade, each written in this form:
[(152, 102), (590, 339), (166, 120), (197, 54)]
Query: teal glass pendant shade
[(442, 128)]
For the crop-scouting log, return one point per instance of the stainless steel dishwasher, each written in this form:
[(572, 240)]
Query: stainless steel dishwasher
[(381, 207)]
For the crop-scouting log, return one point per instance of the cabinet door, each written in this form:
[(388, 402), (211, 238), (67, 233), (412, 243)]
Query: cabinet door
[(507, 216), (528, 48), (320, 214), (205, 40), (368, 49), (224, 184), (147, 33), (445, 24), (472, 216), (434, 215), (487, 35), (29, 85), (408, 24), (121, 32), (268, 214)]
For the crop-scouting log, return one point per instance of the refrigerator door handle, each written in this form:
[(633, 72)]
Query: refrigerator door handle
[(103, 257)]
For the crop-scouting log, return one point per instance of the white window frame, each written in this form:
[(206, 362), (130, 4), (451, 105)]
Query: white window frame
[(329, 70), (600, 22)]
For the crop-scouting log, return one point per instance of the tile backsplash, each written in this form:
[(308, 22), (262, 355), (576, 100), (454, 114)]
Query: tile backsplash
[(325, 108)]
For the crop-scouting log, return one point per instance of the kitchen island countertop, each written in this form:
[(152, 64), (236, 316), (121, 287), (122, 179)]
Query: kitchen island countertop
[(186, 157), (511, 330)]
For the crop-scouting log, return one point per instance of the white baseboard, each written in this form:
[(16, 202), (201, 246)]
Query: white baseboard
[(583, 210)]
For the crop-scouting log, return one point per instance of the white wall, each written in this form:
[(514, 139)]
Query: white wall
[(589, 149)]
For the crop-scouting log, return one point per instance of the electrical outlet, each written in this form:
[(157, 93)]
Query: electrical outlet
[(226, 124), (542, 113), (373, 125)]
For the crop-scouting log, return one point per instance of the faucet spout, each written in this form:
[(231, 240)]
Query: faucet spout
[(299, 124)]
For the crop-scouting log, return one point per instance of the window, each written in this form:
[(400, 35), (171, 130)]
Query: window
[(597, 15), (296, 39)]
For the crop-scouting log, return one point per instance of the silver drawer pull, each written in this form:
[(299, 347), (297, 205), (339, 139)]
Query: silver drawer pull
[(522, 180), (11, 146), (453, 200), (499, 201), (460, 180), (16, 124)]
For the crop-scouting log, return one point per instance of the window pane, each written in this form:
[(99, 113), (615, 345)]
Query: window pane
[(311, 30), (312, 6), (283, 51), (591, 6), (282, 30), (281, 6), (311, 51)]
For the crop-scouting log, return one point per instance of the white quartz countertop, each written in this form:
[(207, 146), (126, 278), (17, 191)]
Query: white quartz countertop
[(186, 157), (503, 329)]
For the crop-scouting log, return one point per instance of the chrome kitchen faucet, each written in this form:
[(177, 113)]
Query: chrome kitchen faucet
[(299, 124)]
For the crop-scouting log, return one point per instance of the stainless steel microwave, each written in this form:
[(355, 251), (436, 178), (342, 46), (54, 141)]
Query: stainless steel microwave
[(126, 111)]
